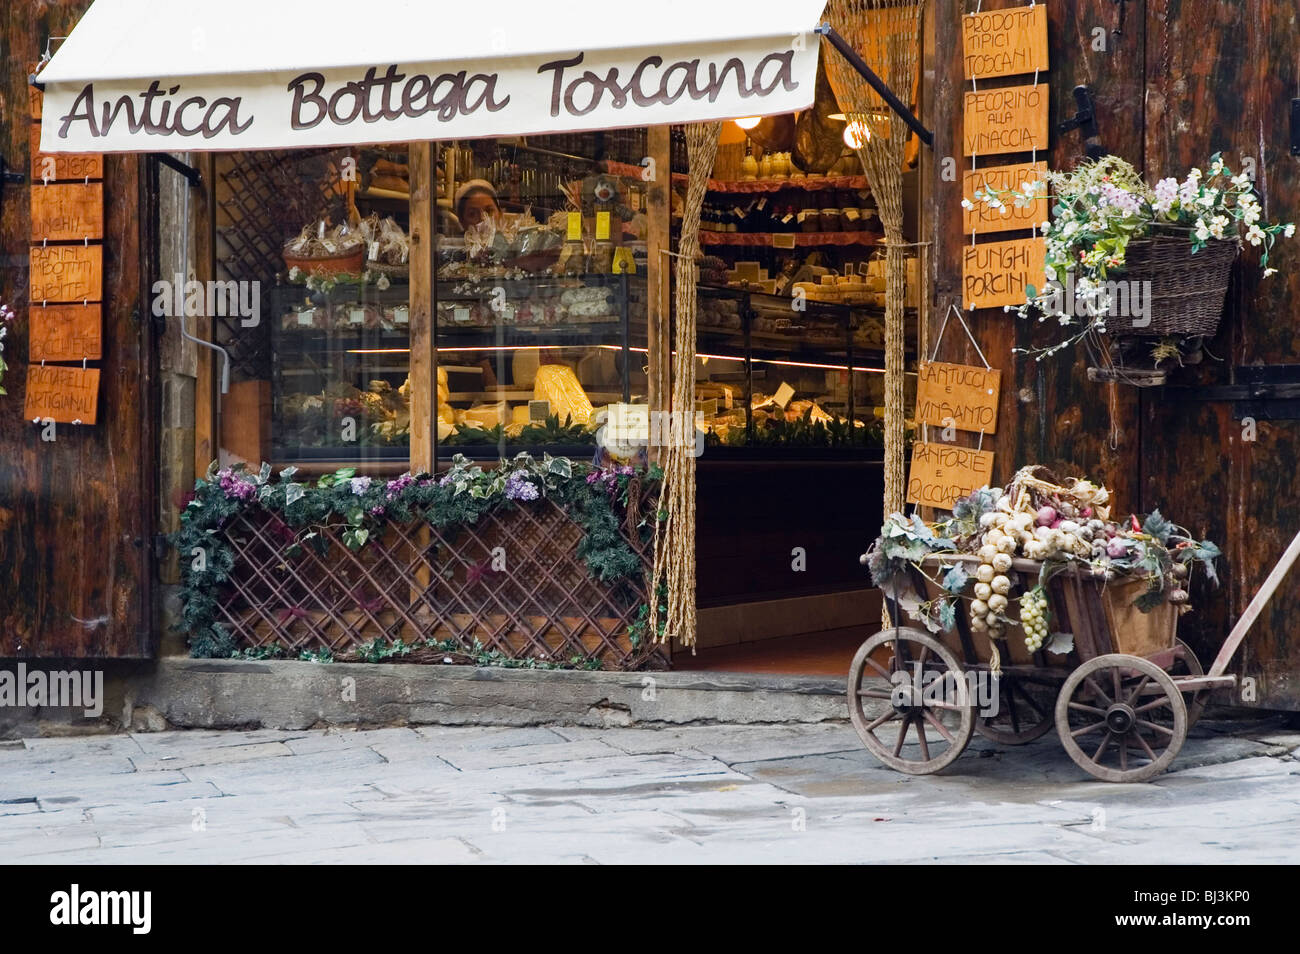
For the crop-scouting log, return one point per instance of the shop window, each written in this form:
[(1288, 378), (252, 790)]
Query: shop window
[(323, 381), (540, 304)]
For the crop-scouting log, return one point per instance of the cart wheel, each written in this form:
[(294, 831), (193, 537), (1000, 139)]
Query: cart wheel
[(1024, 713), (1189, 665), (1121, 718), (927, 722)]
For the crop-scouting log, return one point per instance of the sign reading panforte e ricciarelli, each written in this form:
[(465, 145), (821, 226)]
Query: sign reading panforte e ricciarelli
[(941, 474), (995, 274), (958, 395)]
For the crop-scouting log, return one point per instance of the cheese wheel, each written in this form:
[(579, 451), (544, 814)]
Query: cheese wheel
[(558, 384)]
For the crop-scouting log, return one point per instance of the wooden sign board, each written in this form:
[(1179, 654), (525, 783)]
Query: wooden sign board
[(958, 395), (62, 166), (67, 211), (982, 218), (1010, 119), (60, 393), (34, 95), (1004, 42), (995, 274), (64, 333), (942, 474), (62, 273)]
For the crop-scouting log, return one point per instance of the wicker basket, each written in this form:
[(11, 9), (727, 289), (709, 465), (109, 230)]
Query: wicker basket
[(348, 264), (1187, 290)]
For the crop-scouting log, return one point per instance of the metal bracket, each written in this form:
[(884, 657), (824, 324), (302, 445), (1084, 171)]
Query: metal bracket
[(10, 178), (1085, 118), (1295, 127), (859, 64), (171, 162)]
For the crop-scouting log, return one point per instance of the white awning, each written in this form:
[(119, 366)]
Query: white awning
[(184, 75)]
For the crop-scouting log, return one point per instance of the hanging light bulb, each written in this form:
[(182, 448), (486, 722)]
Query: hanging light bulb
[(749, 122), (856, 134)]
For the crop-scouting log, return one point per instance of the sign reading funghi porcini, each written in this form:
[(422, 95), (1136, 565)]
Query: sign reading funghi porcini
[(995, 274), (942, 474), (958, 395)]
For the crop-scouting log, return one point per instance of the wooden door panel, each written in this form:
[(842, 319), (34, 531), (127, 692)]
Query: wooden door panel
[(75, 526)]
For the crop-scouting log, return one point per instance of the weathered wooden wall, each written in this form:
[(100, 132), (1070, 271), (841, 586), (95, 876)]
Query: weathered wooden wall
[(1184, 78), (74, 513)]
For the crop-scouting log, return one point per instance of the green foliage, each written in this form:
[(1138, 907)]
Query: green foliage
[(357, 509)]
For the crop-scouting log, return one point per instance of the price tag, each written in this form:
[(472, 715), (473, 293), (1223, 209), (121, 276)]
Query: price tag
[(460, 314), (575, 227), (357, 316), (783, 240), (783, 395), (401, 315), (374, 251), (306, 317), (602, 226)]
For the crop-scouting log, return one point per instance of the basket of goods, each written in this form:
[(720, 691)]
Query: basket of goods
[(322, 252), (1137, 260), (1027, 565), (388, 249)]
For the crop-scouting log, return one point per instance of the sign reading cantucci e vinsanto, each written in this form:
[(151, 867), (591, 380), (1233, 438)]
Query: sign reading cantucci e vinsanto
[(996, 274), (1004, 42), (958, 395), (942, 474)]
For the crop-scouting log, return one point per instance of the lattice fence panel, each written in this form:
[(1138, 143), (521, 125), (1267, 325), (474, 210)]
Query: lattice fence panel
[(417, 582)]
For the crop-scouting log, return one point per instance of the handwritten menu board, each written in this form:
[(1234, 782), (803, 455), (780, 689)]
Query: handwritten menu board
[(958, 395), (65, 318), (67, 211), (1009, 119), (60, 393), (1004, 42), (982, 217), (64, 273), (995, 274), (942, 474), (65, 333)]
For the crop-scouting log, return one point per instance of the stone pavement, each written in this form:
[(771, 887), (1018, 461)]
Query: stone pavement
[(718, 793)]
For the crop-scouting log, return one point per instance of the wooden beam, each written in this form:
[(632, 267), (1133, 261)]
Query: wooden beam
[(424, 358), (659, 196), (205, 384)]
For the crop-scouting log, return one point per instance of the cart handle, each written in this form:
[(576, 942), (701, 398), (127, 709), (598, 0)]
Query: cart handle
[(1261, 598)]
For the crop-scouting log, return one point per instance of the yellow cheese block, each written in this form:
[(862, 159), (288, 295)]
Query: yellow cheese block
[(558, 384), (445, 429), (518, 415), (487, 415)]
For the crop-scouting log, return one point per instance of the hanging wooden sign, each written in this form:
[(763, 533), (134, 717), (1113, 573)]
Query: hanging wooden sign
[(66, 273), (64, 333), (67, 211), (64, 394), (62, 166), (1004, 42), (982, 218), (34, 95), (994, 274), (941, 474), (958, 395), (1010, 119)]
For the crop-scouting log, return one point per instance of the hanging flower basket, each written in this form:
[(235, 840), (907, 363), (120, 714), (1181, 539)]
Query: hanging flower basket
[(1187, 289)]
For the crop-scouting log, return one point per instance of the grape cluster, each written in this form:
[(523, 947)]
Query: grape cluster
[(1033, 617)]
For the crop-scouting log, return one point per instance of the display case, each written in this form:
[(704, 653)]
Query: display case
[(340, 373)]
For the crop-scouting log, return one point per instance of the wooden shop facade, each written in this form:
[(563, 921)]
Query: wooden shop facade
[(275, 262)]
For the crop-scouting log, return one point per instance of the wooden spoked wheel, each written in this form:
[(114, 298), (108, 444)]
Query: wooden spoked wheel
[(1189, 665), (1121, 718), (921, 716), (1025, 712)]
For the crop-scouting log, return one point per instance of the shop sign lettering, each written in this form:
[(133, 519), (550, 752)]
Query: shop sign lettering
[(1011, 119), (958, 395), (1005, 42), (67, 395), (942, 474), (67, 211), (994, 274), (58, 166)]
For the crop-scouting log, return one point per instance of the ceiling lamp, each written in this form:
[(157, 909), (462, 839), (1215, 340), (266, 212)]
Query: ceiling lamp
[(749, 122), (856, 134)]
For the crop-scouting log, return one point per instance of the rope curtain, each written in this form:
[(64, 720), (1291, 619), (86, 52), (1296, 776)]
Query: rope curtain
[(887, 33), (674, 540)]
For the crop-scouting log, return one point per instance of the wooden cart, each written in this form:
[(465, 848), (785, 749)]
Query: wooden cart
[(1121, 701)]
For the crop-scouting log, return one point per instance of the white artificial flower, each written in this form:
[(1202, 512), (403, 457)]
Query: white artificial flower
[(967, 204), (1217, 225), (1202, 230), (1045, 227), (1207, 200), (1194, 175), (1289, 230), (1241, 180), (1269, 271), (1255, 235)]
